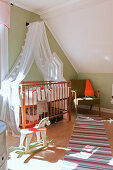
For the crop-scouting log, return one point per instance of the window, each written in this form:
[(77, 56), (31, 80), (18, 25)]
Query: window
[(55, 69)]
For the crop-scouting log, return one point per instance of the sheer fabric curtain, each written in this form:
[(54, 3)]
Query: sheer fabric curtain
[(3, 55), (36, 48), (10, 108), (4, 25), (3, 51)]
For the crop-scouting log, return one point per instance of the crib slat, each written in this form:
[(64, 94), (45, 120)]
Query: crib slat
[(69, 100), (33, 102), (20, 111), (41, 99), (64, 96), (28, 105), (44, 96), (59, 99), (50, 101), (54, 100), (37, 102), (67, 97), (24, 113)]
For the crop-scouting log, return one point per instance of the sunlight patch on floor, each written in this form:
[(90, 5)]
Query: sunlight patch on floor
[(89, 118), (90, 150), (83, 155), (38, 157), (109, 121), (69, 165), (51, 146), (50, 151), (110, 162), (66, 149), (15, 163)]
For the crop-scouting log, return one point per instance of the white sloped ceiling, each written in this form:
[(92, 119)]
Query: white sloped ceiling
[(83, 29), (86, 35)]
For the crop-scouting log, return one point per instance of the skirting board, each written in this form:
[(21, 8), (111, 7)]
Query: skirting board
[(96, 108)]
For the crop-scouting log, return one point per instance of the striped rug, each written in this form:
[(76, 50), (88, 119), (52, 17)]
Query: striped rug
[(88, 147)]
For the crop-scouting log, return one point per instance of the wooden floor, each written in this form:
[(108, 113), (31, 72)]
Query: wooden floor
[(61, 133)]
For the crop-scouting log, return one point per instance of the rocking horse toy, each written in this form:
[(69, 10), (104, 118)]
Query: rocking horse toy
[(38, 129)]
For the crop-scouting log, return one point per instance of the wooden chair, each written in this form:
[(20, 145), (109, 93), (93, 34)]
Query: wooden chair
[(78, 95)]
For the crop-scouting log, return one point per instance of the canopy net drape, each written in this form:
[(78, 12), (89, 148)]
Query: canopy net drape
[(36, 48)]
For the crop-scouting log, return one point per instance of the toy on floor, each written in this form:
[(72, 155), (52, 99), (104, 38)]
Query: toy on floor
[(21, 152), (38, 129)]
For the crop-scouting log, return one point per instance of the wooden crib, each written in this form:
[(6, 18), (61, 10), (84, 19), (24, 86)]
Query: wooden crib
[(42, 99)]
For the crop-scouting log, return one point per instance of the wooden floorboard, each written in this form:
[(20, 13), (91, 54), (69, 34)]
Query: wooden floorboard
[(61, 133)]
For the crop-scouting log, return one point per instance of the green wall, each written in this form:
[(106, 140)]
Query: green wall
[(102, 82)]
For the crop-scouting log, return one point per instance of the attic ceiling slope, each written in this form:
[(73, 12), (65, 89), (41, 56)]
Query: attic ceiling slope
[(85, 35), (42, 7), (66, 7), (82, 28)]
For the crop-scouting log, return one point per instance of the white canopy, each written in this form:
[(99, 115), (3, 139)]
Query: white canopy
[(36, 48)]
